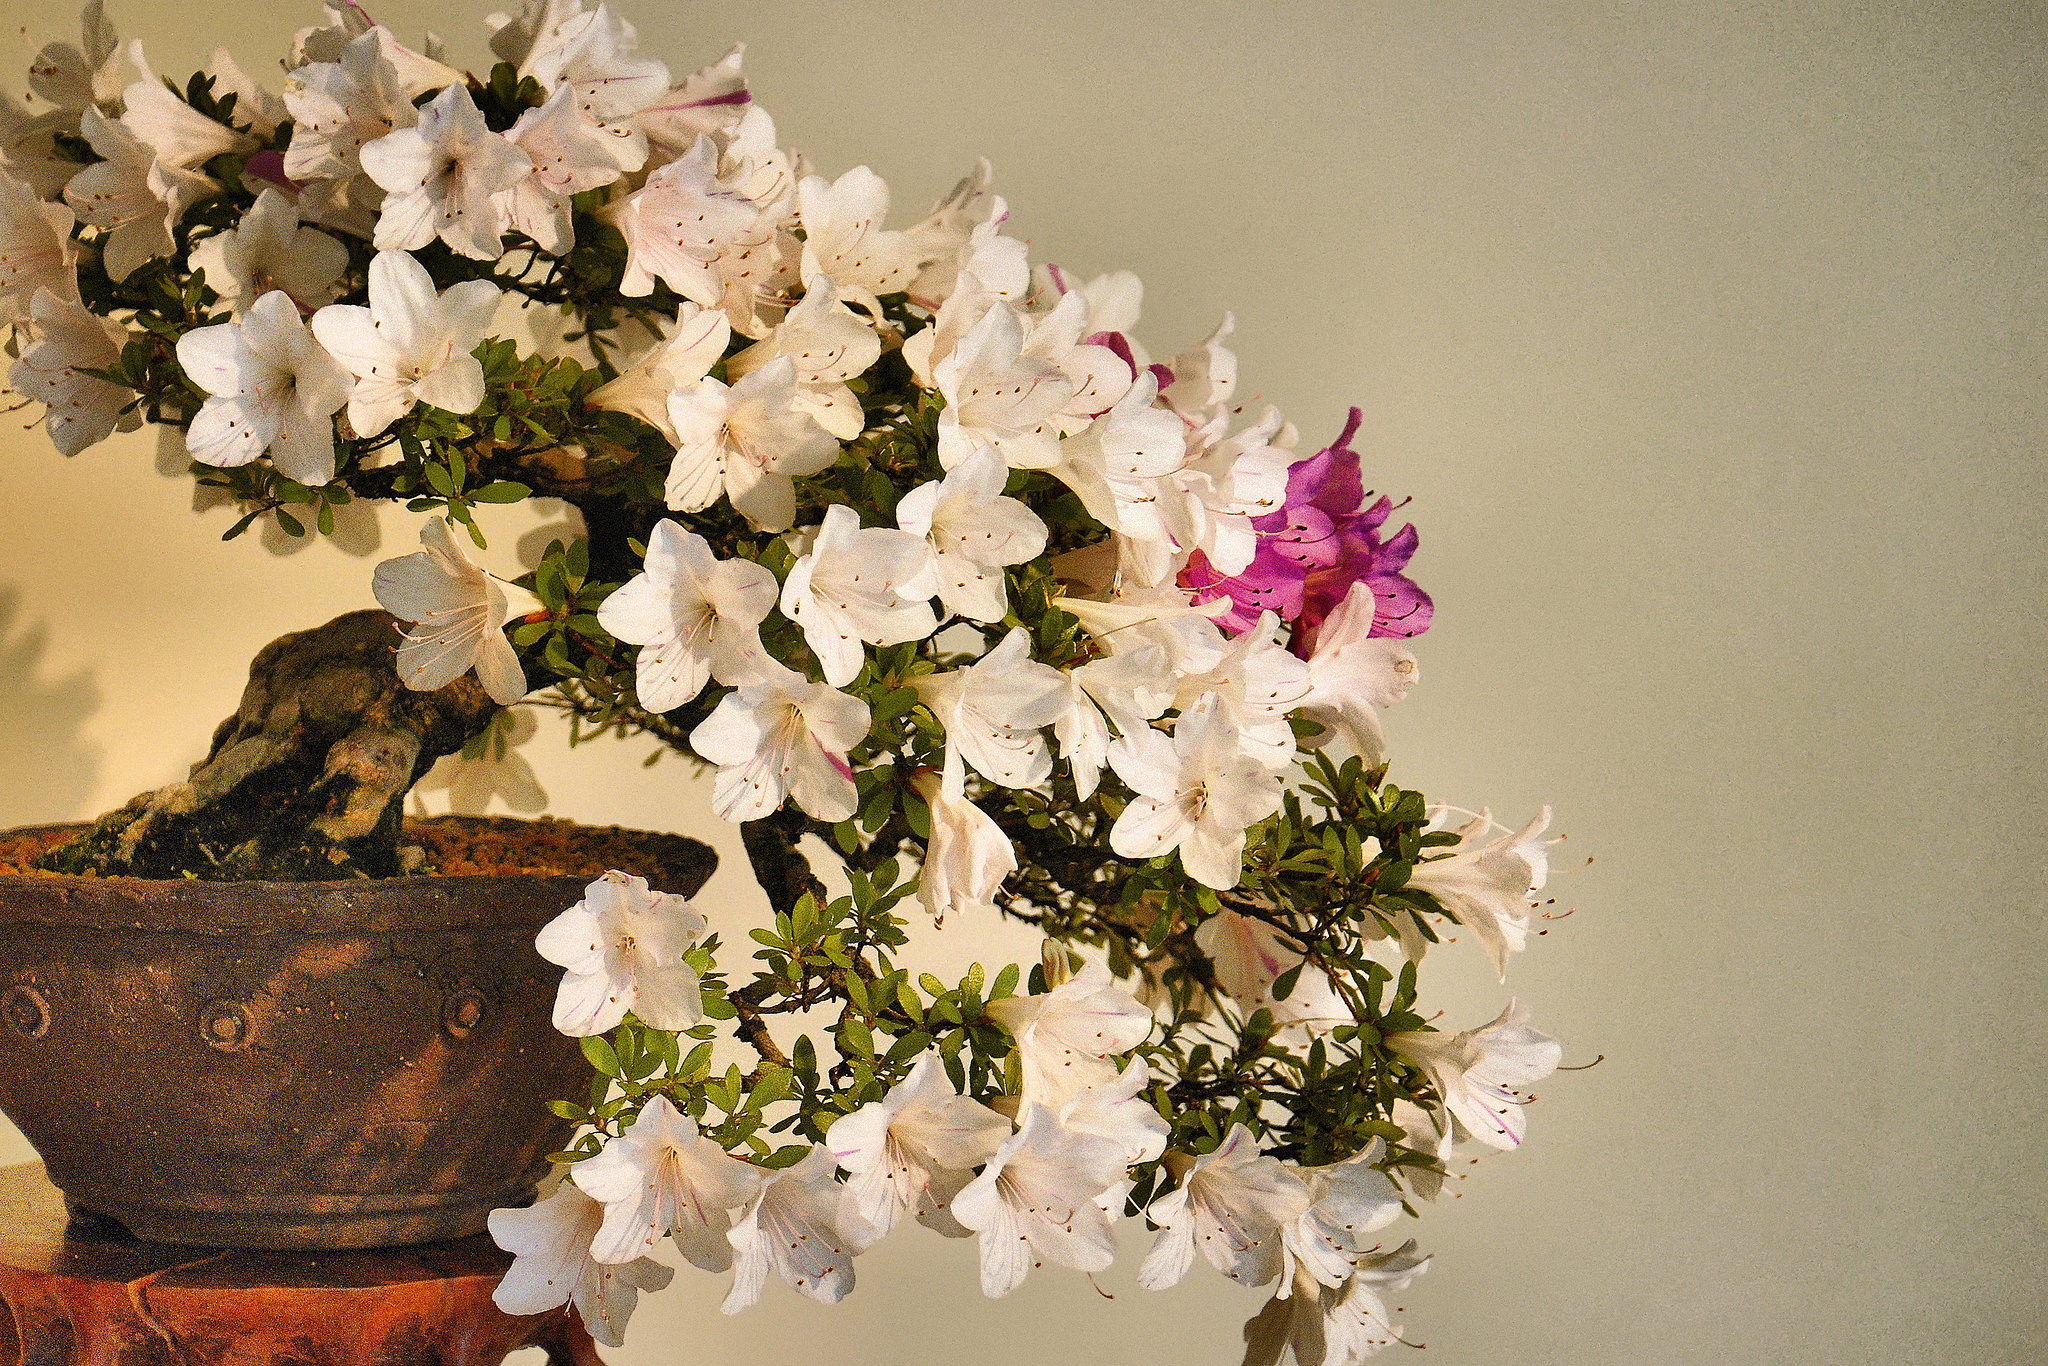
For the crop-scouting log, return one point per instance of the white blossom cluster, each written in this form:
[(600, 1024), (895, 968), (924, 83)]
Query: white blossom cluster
[(782, 274)]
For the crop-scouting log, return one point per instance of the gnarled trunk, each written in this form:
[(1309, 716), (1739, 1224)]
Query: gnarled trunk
[(307, 780)]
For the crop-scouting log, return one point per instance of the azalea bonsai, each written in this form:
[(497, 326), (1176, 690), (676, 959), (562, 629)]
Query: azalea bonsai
[(907, 542)]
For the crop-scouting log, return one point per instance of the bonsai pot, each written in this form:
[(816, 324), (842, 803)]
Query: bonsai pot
[(294, 1065)]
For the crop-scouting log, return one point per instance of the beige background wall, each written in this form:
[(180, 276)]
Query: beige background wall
[(1706, 339)]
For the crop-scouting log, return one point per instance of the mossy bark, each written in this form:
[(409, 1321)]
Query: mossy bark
[(306, 781)]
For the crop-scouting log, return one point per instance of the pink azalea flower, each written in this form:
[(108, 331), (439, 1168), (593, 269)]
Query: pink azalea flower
[(1314, 548)]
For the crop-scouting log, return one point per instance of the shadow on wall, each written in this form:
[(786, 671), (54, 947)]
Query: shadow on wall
[(50, 769)]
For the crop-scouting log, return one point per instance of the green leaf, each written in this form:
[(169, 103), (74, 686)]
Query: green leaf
[(502, 491), (601, 1056)]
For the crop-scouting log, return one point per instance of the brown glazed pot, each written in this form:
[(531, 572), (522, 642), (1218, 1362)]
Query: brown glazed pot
[(290, 1065)]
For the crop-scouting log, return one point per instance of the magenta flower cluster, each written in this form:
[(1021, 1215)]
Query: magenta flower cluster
[(1314, 548)]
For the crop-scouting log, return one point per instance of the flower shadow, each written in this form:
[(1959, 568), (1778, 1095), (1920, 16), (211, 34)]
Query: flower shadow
[(50, 769)]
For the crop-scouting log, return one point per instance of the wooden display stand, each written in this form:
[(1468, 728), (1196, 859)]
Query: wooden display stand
[(74, 1294)]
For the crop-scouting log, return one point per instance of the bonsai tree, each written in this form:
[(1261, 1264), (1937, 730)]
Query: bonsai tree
[(968, 606)]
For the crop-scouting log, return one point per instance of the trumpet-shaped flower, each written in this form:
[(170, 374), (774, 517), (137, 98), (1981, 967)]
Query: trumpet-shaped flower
[(1479, 1072), (829, 345), (1116, 1111), (1353, 675), (859, 584), (803, 1227), (1036, 1199), (676, 362), (1333, 1327), (1486, 880), (1130, 688), (448, 176), (915, 1148), (709, 102), (1351, 1201), (1254, 684), (1198, 793), (595, 56), (994, 711), (338, 107), (661, 1176), (695, 617), (458, 614), (1249, 956), (81, 410), (74, 78), (998, 396), (747, 443), (1067, 1037), (268, 250), (973, 531), (844, 238), (967, 856), (275, 391), (411, 345), (137, 196), (783, 737), (35, 249), (681, 222), (551, 1265), (623, 947), (569, 154), (1232, 1204)]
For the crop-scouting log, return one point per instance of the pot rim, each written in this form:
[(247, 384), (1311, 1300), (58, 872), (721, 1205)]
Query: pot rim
[(429, 901)]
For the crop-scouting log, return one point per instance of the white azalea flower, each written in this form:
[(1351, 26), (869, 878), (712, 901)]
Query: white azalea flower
[(1232, 1204), (448, 176), (784, 737), (1486, 881), (802, 1226), (1114, 1110), (178, 134), (1235, 477), (1249, 956), (551, 1265), (28, 146), (1130, 688), (569, 154), (1123, 467), (1036, 1200), (275, 392), (36, 250), (1354, 675), (745, 442), (662, 1176), (967, 856), (1137, 618), (81, 410), (681, 222), (709, 102), (973, 531), (411, 345), (268, 250), (915, 1148), (993, 711), (132, 193), (339, 106), (596, 57), (75, 78), (829, 345), (970, 302), (1255, 683), (1351, 1201), (459, 615), (1204, 376), (859, 584), (1479, 1072), (844, 238), (696, 617), (1114, 299), (1198, 793), (513, 37), (1067, 1037), (623, 946), (1099, 375), (998, 396), (1333, 1326), (676, 362), (347, 22)]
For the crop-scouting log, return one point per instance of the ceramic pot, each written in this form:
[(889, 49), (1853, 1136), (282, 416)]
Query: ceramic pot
[(291, 1065)]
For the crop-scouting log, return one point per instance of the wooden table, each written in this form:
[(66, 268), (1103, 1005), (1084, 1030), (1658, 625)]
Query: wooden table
[(79, 1295)]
